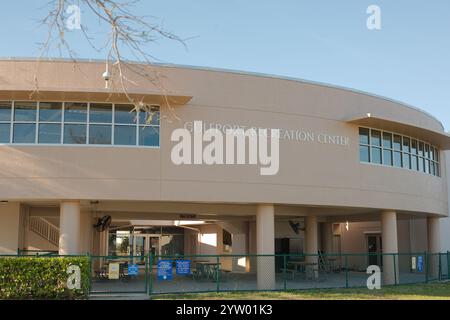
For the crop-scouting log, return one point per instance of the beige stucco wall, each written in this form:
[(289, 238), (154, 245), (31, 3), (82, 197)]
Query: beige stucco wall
[(11, 220), (311, 173)]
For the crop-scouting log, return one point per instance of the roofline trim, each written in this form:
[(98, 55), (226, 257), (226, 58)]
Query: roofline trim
[(239, 72)]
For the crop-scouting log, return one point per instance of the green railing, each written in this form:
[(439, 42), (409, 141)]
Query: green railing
[(21, 252), (177, 274)]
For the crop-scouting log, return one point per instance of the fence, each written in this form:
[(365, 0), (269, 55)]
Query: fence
[(222, 273), (178, 274)]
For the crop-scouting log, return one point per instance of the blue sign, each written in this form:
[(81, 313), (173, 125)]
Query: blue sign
[(420, 263), (133, 270), (183, 267), (165, 270)]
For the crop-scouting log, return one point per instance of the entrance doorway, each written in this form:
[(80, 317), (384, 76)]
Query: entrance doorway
[(143, 244), (374, 249)]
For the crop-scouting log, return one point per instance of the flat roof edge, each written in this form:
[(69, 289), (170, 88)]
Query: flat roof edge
[(239, 72)]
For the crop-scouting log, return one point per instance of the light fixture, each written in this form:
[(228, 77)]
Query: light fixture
[(346, 226)]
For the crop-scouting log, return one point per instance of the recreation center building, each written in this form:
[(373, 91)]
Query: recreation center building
[(81, 172)]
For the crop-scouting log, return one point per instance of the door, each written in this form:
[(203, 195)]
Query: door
[(144, 244), (374, 248), (140, 248)]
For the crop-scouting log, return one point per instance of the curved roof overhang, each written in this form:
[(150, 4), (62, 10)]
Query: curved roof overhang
[(438, 139), (96, 96)]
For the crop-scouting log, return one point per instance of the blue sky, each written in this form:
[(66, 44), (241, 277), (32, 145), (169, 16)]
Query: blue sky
[(319, 40)]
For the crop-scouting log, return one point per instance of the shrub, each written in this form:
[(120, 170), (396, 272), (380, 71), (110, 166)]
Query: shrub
[(26, 278)]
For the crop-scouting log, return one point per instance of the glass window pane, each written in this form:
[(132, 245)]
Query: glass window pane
[(397, 142), (421, 167), (75, 133), (152, 116), (75, 112), (25, 111), (397, 159), (364, 154), (406, 161), (431, 153), (432, 171), (438, 170), (125, 135), (363, 136), (49, 133), (387, 157), (427, 166), (436, 155), (375, 138), (414, 162), (100, 113), (414, 146), (24, 133), (406, 144), (149, 136), (376, 155), (387, 140), (50, 111), (5, 111), (421, 148), (100, 134), (4, 132), (123, 114), (427, 151)]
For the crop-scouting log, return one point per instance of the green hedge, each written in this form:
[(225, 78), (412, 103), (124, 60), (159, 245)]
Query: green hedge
[(26, 278)]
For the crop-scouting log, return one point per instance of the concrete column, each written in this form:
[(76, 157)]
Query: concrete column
[(69, 225), (390, 245), (311, 233), (265, 244), (311, 246), (434, 245)]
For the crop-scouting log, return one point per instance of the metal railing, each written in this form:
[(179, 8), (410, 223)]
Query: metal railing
[(45, 229), (178, 274)]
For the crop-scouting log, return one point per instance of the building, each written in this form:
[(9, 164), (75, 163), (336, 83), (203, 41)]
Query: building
[(357, 172)]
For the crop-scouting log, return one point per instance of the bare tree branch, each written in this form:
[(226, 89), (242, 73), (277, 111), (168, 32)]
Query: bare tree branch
[(129, 33)]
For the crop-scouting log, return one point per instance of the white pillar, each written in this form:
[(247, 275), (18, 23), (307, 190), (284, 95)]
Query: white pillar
[(434, 245), (311, 245), (69, 225), (265, 244), (390, 245)]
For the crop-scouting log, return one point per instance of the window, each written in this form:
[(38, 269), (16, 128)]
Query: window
[(24, 129), (149, 127), (78, 123), (75, 123), (5, 121), (364, 151), (49, 128), (390, 149), (125, 128), (100, 123)]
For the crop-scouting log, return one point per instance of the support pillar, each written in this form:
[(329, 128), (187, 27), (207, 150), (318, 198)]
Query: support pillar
[(434, 245), (390, 245), (311, 246), (265, 245), (69, 225)]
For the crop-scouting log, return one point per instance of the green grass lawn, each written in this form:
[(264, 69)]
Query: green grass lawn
[(431, 291)]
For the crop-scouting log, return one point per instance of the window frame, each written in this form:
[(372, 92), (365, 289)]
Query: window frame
[(428, 163), (136, 125)]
